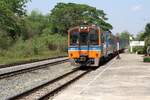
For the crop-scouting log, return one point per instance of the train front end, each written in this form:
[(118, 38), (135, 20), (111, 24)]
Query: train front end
[(84, 45)]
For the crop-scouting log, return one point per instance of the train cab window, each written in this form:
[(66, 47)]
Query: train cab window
[(74, 38), (83, 38), (93, 37)]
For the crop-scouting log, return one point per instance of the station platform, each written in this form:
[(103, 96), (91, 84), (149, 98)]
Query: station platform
[(124, 79)]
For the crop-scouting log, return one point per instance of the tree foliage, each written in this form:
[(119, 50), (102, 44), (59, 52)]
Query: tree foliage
[(145, 36), (124, 35), (15, 6), (35, 23), (64, 16), (140, 36), (10, 16), (147, 30), (124, 38)]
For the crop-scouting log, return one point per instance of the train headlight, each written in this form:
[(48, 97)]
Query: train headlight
[(82, 28), (85, 28)]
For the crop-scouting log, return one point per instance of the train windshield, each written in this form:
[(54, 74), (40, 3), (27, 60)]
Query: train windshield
[(90, 38), (83, 38), (74, 38), (93, 37)]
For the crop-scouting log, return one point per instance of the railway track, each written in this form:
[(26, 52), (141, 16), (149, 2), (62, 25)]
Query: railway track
[(20, 70), (48, 89)]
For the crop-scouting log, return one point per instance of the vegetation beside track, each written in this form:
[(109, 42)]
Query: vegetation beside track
[(146, 59), (45, 55), (143, 36), (36, 48)]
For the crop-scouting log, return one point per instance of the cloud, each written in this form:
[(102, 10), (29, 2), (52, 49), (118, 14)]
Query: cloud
[(136, 8)]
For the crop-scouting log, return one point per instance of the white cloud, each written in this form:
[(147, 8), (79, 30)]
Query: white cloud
[(136, 8)]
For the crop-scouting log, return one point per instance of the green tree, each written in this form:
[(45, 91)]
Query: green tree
[(124, 35), (5, 41), (147, 30), (35, 23), (11, 14), (15, 6), (146, 36), (64, 16), (140, 36)]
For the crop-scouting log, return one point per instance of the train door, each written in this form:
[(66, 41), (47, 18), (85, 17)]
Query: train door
[(83, 45)]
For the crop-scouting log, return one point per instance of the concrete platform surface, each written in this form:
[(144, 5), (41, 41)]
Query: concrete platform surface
[(124, 79)]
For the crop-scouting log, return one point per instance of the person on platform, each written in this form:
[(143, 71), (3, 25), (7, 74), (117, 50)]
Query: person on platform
[(118, 48)]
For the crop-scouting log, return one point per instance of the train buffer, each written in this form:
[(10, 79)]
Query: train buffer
[(124, 79)]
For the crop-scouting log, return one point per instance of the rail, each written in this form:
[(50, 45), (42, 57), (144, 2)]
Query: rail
[(11, 71), (51, 87)]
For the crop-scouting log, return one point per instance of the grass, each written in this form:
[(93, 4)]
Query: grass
[(39, 47), (146, 59), (8, 60)]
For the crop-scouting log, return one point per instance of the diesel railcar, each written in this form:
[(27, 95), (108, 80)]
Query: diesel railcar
[(88, 45)]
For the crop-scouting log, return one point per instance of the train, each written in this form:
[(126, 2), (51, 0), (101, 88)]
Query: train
[(88, 45)]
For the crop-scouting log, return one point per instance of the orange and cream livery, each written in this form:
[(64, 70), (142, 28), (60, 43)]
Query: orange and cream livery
[(87, 45)]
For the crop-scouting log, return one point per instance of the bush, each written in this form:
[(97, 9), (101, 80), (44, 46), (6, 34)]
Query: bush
[(139, 50), (37, 46), (5, 41), (146, 59), (55, 42)]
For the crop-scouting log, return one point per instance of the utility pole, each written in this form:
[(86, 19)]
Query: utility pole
[(130, 42)]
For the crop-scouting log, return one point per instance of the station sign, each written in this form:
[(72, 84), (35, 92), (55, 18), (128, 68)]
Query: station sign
[(137, 43)]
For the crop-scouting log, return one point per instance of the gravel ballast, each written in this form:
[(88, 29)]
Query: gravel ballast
[(17, 84)]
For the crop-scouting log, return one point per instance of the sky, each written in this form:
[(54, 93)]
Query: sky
[(123, 15)]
